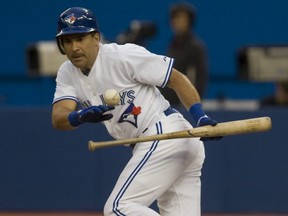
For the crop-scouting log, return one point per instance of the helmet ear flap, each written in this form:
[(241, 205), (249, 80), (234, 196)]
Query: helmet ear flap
[(60, 46)]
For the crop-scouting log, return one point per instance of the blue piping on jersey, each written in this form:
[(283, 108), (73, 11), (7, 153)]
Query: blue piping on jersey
[(135, 172), (65, 98), (168, 74)]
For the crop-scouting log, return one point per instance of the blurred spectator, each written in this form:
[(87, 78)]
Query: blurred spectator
[(188, 50), (279, 98), (138, 32)]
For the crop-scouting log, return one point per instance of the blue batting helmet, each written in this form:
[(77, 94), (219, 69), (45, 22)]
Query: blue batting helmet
[(75, 20)]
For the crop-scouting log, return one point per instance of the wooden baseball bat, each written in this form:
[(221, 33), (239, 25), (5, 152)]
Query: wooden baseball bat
[(251, 125)]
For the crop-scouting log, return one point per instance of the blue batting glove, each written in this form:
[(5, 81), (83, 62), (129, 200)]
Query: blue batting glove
[(93, 114), (202, 119)]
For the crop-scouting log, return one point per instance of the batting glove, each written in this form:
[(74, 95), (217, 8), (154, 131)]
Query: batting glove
[(93, 114), (202, 119)]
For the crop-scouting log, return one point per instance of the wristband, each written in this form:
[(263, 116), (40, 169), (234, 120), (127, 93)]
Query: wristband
[(197, 112), (73, 118)]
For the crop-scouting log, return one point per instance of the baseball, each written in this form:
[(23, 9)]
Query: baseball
[(111, 97)]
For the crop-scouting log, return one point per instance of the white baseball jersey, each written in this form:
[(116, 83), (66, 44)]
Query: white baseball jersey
[(124, 68)]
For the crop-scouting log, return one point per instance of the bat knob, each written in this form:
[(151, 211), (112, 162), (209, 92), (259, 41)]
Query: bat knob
[(91, 146)]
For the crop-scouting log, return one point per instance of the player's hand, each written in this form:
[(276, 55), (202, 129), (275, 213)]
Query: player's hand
[(93, 114), (206, 120), (202, 119)]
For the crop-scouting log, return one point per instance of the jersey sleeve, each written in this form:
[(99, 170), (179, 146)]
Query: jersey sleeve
[(148, 67), (64, 85)]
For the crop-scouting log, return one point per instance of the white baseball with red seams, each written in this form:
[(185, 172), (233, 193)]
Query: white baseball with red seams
[(111, 97)]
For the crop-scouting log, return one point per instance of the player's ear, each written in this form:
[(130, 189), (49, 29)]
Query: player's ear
[(96, 38)]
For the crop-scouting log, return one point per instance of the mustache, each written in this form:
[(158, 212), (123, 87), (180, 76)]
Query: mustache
[(76, 55)]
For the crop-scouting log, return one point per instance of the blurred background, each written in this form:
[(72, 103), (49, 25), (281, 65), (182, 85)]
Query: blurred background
[(43, 170)]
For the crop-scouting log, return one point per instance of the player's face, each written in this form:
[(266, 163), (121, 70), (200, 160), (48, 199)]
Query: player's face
[(81, 49)]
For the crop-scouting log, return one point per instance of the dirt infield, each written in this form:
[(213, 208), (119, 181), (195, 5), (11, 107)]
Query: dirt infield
[(100, 214)]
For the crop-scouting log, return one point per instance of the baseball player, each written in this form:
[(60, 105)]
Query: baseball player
[(167, 171)]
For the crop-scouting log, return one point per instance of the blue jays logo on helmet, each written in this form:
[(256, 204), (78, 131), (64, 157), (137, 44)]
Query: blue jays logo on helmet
[(70, 19), (76, 20)]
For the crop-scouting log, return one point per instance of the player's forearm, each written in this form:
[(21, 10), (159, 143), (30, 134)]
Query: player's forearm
[(188, 95), (60, 120), (61, 123), (184, 89)]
